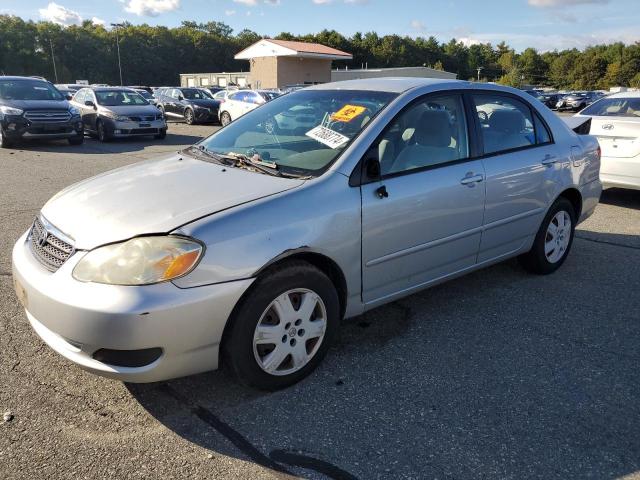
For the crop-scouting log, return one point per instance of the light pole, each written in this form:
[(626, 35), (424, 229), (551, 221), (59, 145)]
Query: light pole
[(479, 70), (116, 26), (53, 59)]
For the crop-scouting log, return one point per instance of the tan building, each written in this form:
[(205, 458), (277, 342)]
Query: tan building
[(278, 63)]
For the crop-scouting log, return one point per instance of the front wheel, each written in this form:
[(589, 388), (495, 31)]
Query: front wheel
[(101, 130), (284, 326), (162, 135), (553, 240), (77, 140), (4, 141), (189, 116)]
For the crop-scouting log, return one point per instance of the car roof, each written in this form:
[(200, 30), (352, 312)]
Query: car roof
[(625, 95), (16, 77), (388, 84), (107, 89)]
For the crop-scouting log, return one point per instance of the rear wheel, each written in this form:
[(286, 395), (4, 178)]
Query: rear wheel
[(553, 240), (284, 327), (225, 118)]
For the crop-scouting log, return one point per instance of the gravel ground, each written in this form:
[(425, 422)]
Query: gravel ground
[(499, 374)]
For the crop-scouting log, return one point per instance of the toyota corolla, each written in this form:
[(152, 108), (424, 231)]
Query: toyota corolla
[(250, 247)]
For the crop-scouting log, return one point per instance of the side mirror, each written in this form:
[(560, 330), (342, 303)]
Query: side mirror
[(89, 103), (372, 167), (68, 96), (180, 97), (368, 170)]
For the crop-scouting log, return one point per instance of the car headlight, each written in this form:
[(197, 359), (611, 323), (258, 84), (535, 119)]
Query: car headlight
[(140, 261), (74, 111), (10, 110)]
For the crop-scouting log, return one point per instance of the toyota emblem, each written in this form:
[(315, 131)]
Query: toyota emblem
[(607, 126), (42, 239)]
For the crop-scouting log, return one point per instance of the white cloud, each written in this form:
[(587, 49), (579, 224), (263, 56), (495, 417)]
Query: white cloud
[(229, 13), (250, 3), (418, 25), (322, 2), (151, 8), (357, 2), (272, 3), (61, 15), (564, 3), (98, 21), (468, 41)]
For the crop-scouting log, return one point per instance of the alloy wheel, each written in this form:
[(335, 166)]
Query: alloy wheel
[(557, 237), (188, 116), (290, 332)]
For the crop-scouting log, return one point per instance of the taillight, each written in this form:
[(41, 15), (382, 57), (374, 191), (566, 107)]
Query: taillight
[(599, 152)]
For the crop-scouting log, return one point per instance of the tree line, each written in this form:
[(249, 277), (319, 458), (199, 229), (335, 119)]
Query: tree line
[(156, 55)]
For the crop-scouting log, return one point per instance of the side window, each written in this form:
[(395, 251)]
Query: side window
[(428, 133), (542, 132), (255, 98), (505, 123), (238, 97)]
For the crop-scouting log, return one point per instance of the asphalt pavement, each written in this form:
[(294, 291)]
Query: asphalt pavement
[(499, 374)]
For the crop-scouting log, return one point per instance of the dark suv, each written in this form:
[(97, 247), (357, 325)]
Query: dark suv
[(192, 105), (34, 108)]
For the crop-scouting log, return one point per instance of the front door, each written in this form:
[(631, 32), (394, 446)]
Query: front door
[(422, 221)]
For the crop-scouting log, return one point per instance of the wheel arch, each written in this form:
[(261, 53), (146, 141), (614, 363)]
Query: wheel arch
[(575, 197), (320, 261)]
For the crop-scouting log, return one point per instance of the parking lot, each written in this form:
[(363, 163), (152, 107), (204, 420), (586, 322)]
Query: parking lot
[(499, 374)]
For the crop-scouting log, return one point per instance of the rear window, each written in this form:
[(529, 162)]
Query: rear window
[(614, 107)]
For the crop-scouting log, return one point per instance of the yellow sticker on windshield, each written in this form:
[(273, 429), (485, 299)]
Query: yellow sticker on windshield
[(348, 113)]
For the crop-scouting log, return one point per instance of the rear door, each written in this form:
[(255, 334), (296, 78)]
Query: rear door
[(422, 220), (521, 161)]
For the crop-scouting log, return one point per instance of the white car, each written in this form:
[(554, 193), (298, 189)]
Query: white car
[(238, 103), (615, 121)]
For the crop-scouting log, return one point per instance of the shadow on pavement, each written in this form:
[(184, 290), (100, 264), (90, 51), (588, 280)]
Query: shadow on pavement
[(621, 197), (498, 374)]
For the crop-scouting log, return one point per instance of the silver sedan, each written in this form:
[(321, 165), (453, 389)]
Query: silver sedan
[(253, 244)]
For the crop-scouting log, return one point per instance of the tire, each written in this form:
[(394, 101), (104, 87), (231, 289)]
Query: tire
[(225, 119), (299, 344), (101, 132), (189, 116), (77, 140), (161, 108), (550, 250), (162, 135), (4, 141)]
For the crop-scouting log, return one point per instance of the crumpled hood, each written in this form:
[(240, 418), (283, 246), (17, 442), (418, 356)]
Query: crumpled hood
[(153, 197)]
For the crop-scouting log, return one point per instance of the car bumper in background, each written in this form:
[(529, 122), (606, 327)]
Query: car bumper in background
[(129, 129), (18, 127), (620, 172), (151, 333)]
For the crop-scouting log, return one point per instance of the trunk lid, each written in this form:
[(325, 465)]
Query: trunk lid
[(619, 137)]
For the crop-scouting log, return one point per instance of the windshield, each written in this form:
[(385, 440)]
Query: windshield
[(119, 98), (303, 132), (269, 95), (193, 94), (28, 90), (145, 94), (618, 107)]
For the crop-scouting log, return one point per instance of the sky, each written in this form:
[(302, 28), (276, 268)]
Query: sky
[(543, 24)]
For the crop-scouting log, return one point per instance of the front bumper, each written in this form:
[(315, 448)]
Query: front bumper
[(17, 127), (132, 129), (77, 319), (205, 115)]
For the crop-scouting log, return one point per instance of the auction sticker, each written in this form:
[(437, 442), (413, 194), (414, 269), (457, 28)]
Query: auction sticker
[(348, 113), (327, 136)]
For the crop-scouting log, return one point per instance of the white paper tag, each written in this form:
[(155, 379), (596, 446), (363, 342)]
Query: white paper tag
[(327, 136)]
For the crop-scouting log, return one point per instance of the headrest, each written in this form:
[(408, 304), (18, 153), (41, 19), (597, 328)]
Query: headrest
[(507, 121), (434, 129)]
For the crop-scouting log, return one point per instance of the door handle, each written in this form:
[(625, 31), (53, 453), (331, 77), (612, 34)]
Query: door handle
[(472, 179), (382, 192), (549, 160)]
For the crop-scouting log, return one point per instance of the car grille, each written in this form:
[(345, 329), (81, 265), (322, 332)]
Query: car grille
[(147, 118), (50, 250), (48, 115)]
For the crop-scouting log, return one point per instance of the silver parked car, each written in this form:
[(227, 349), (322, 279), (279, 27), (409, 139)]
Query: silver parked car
[(253, 244)]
